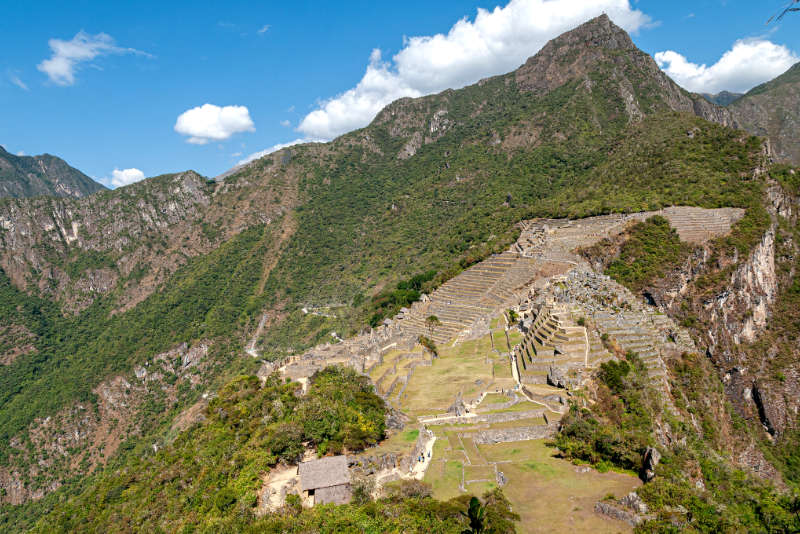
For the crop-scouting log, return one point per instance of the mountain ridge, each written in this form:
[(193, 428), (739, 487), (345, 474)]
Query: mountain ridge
[(43, 175), (772, 110), (432, 184)]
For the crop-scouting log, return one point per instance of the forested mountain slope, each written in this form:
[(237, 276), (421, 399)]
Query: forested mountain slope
[(105, 291), (772, 110), (45, 175)]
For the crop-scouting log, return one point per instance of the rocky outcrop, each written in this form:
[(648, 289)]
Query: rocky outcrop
[(650, 459), (556, 377), (83, 436), (635, 75), (132, 238)]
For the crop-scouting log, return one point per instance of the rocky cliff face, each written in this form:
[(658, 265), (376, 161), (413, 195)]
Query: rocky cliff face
[(733, 303), (28, 176), (72, 250), (772, 110), (600, 43), (82, 437)]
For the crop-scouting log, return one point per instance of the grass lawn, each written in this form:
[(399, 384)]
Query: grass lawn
[(500, 342), (522, 406), (474, 455), (494, 398), (398, 443), (515, 337), (388, 362), (433, 389), (478, 472), (445, 478), (551, 494), (479, 488)]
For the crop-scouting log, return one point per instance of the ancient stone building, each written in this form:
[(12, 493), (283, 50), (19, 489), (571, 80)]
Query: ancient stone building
[(326, 480)]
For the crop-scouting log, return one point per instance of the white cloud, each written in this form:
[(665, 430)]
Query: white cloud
[(264, 29), (748, 63), (68, 55), (286, 123), (495, 42), (21, 153), (236, 154), (213, 123), (16, 81), (260, 154), (123, 177)]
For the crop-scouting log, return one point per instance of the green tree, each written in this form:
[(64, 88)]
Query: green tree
[(476, 514), (432, 322)]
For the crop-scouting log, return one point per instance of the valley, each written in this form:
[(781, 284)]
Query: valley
[(569, 290)]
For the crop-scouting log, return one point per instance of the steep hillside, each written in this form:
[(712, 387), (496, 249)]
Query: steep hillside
[(105, 291), (45, 175), (772, 110)]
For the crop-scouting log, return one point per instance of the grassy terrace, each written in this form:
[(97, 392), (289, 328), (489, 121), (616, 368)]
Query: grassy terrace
[(563, 496), (469, 367)]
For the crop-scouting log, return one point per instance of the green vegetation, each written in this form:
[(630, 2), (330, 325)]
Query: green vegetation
[(431, 322), (618, 428), (428, 344), (211, 473), (388, 303), (366, 221), (209, 298), (401, 512), (207, 480), (651, 250)]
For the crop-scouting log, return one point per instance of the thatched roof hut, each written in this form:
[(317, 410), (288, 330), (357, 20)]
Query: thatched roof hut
[(326, 479)]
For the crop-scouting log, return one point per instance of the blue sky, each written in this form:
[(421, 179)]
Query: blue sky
[(109, 98)]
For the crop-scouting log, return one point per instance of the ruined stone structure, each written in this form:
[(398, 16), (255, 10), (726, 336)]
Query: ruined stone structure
[(554, 289)]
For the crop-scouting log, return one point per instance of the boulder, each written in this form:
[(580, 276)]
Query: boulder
[(650, 460), (556, 378)]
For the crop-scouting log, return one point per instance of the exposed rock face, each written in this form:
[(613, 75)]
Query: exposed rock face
[(28, 176), (650, 460), (119, 226), (735, 315), (576, 55), (136, 235), (556, 378), (83, 437), (773, 110)]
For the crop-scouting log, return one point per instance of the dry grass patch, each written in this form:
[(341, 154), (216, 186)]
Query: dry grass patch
[(551, 494), (478, 472), (444, 476), (458, 369)]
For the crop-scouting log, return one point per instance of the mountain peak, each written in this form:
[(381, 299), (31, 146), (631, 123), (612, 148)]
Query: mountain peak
[(573, 54), (600, 32)]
